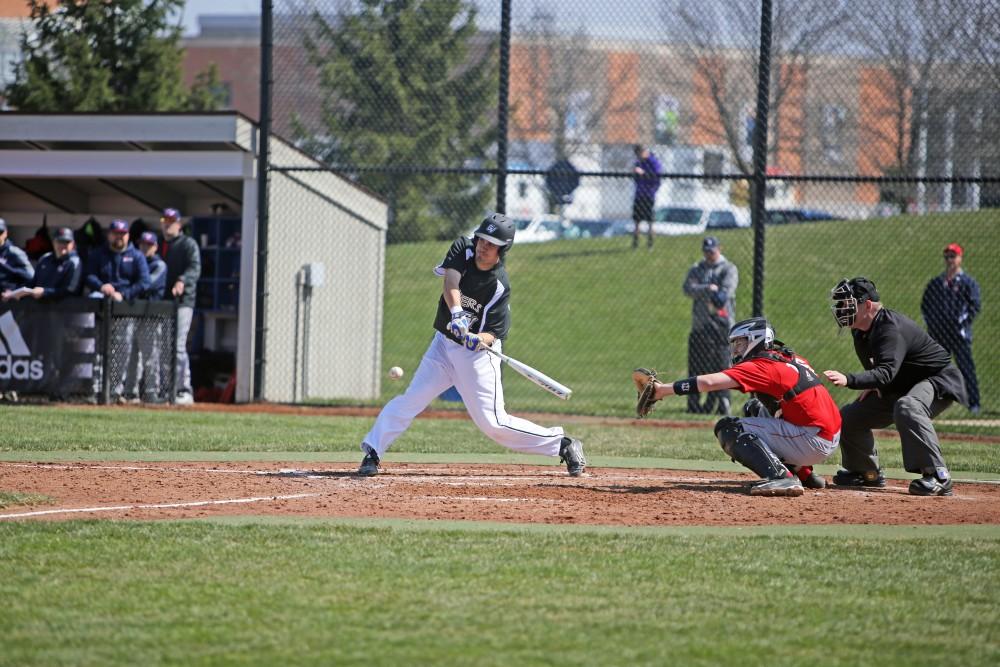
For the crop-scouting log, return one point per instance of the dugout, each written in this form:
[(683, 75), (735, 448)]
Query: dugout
[(63, 169)]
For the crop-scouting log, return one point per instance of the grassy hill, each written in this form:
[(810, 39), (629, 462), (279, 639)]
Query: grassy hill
[(586, 311)]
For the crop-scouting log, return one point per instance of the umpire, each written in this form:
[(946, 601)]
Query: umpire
[(908, 380)]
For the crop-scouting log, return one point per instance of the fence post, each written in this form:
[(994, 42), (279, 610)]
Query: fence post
[(502, 106), (106, 327), (263, 157), (758, 212)]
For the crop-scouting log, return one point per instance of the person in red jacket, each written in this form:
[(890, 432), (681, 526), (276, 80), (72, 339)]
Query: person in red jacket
[(790, 424)]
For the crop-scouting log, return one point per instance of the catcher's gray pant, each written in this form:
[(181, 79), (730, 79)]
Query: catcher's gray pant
[(911, 413), (796, 445), (476, 376)]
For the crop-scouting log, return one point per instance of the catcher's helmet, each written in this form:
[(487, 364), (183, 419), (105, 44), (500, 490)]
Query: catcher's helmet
[(749, 338), (846, 296), (498, 229)]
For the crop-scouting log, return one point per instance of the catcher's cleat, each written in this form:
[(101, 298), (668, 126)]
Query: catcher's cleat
[(867, 478), (369, 465), (929, 485), (809, 479), (784, 486), (571, 453)]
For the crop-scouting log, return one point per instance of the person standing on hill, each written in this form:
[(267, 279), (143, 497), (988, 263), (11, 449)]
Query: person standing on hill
[(646, 170), (950, 303)]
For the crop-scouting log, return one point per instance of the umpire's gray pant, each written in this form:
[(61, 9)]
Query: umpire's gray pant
[(911, 413)]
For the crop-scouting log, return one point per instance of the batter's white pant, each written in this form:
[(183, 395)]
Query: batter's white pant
[(797, 445), (476, 376)]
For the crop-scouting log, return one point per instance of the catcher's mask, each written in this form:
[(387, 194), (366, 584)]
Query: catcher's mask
[(848, 295), (749, 338), (498, 229)]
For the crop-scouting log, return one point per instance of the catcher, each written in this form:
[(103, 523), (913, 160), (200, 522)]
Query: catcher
[(790, 423)]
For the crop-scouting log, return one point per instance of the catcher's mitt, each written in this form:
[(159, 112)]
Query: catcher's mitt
[(644, 379)]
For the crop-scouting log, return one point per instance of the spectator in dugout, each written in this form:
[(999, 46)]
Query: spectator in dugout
[(143, 376), (15, 267), (118, 271), (183, 259), (59, 273)]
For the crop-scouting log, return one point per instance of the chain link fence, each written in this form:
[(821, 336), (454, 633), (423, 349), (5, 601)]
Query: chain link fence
[(882, 149)]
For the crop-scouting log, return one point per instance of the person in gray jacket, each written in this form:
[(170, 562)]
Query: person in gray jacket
[(15, 267), (711, 285), (183, 258)]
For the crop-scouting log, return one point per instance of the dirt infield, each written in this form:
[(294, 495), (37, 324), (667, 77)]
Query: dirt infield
[(504, 493)]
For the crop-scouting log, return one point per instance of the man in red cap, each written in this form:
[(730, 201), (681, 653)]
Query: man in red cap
[(951, 302)]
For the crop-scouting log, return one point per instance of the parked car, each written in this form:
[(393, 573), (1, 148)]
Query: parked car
[(538, 229), (788, 216), (589, 229), (678, 220)]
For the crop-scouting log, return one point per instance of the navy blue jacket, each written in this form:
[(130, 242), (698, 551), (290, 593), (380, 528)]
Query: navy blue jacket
[(126, 271), (157, 277), (15, 267), (59, 276), (949, 307)]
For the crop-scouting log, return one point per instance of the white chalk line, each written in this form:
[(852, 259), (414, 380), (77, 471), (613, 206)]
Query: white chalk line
[(196, 503)]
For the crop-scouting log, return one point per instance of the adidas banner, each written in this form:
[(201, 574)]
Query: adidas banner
[(48, 348)]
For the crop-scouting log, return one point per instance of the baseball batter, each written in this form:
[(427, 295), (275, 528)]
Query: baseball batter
[(781, 450), (473, 312)]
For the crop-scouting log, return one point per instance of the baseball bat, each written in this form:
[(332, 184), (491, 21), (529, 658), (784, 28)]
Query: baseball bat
[(536, 376)]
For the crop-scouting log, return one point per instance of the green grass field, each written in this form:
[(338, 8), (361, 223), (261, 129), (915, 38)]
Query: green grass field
[(587, 311), (270, 593)]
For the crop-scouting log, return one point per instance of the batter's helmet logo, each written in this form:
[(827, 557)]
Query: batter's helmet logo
[(490, 228)]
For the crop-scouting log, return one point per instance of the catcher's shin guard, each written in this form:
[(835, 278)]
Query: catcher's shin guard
[(750, 450)]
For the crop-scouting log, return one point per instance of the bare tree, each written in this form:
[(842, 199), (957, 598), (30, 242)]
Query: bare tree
[(719, 43), (911, 39), (572, 90)]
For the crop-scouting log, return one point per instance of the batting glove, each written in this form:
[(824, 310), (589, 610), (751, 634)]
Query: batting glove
[(473, 342), (459, 325)]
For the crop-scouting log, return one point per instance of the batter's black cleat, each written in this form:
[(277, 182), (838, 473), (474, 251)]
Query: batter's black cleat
[(571, 453), (369, 465), (929, 485), (873, 478)]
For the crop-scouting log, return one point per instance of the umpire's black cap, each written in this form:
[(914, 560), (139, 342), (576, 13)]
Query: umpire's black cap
[(863, 289)]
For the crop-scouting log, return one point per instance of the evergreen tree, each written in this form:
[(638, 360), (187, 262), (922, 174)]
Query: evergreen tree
[(106, 56), (403, 85)]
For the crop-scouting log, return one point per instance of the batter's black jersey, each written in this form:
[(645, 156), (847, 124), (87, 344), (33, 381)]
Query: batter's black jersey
[(485, 294), (897, 354)]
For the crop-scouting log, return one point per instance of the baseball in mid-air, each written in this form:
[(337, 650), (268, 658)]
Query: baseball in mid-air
[(395, 372)]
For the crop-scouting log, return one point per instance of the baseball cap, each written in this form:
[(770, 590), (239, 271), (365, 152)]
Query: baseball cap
[(63, 234), (3, 225), (710, 243), (170, 215), (119, 226), (953, 247), (148, 237), (864, 289)]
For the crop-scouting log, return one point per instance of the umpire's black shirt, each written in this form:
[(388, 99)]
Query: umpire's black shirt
[(485, 294), (897, 354)]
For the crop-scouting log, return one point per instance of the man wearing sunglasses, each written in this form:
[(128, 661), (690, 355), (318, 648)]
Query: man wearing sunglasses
[(951, 302)]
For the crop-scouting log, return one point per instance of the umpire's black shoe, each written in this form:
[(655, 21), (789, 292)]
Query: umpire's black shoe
[(571, 453), (369, 465), (866, 478), (929, 485)]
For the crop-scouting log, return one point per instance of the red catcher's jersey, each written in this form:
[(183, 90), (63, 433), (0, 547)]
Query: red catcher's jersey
[(813, 407)]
